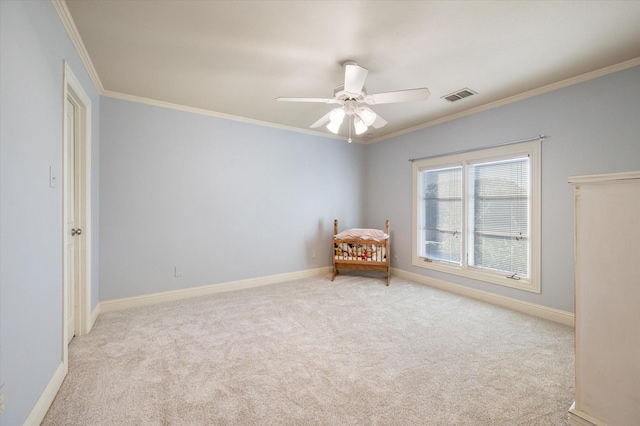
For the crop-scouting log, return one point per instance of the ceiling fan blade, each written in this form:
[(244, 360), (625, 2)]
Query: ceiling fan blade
[(379, 122), (321, 100), (323, 120), (354, 77), (409, 95)]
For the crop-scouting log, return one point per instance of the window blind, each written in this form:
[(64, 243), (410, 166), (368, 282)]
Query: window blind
[(499, 225), (442, 214)]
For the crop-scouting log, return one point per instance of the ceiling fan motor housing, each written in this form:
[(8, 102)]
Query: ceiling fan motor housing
[(350, 106), (342, 95)]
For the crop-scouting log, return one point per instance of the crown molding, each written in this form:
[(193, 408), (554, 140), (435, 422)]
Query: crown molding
[(524, 95), (202, 111), (67, 20)]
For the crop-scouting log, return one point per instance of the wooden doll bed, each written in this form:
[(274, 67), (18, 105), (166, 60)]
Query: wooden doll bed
[(361, 249)]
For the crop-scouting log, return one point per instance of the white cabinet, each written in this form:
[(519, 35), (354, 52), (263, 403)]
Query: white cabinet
[(607, 297)]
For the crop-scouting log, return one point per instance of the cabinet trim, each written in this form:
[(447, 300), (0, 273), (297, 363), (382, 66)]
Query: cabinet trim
[(604, 178)]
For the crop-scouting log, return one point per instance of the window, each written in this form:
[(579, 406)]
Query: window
[(477, 214), (442, 214)]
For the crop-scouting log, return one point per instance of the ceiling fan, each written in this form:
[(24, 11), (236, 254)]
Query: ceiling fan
[(354, 101)]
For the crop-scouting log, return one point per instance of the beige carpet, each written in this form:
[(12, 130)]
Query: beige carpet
[(316, 352)]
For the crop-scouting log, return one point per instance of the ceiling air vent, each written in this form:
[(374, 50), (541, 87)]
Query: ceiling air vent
[(460, 94)]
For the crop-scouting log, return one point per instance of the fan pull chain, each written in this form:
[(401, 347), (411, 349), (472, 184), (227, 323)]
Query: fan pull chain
[(350, 125)]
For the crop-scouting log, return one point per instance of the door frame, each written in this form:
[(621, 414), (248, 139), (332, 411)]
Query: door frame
[(73, 90)]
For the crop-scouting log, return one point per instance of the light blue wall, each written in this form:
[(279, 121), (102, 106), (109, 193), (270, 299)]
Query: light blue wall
[(33, 46), (180, 189), (594, 127), (228, 201), (222, 199)]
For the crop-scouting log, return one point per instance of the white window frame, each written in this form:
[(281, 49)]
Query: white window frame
[(531, 149)]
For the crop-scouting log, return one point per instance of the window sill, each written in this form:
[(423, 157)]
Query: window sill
[(531, 285)]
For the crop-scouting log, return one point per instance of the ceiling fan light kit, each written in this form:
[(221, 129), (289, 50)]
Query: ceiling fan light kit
[(359, 126), (334, 126), (367, 115), (337, 115), (353, 101)]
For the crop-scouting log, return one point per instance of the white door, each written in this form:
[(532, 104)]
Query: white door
[(70, 214), (76, 219)]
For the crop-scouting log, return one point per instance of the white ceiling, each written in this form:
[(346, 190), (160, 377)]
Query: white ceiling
[(235, 57)]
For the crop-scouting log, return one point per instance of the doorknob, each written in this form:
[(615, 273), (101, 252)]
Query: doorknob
[(76, 232)]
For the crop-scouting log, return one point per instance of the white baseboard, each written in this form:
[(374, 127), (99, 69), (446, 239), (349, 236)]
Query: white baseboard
[(540, 311), (578, 418), (46, 398), (94, 316), (168, 296)]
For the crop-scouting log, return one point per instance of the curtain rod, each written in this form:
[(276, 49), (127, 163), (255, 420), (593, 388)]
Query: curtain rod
[(539, 137)]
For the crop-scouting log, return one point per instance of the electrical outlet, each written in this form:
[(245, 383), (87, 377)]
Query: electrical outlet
[(313, 255), (395, 254), (53, 179), (178, 271)]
